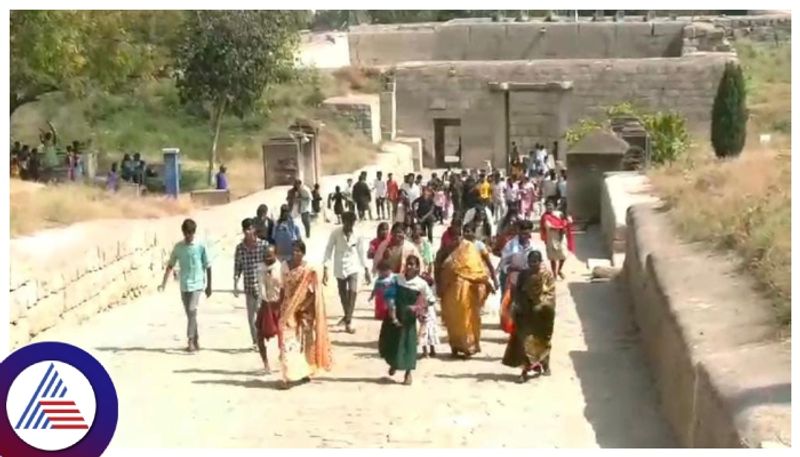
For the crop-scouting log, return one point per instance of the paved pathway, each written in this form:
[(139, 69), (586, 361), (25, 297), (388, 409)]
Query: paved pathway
[(600, 393)]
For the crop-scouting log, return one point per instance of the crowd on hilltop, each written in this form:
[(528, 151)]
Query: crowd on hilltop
[(487, 215)]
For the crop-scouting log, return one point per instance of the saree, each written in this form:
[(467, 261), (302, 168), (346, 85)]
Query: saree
[(305, 347), (534, 318), (396, 255), (463, 293), (397, 345)]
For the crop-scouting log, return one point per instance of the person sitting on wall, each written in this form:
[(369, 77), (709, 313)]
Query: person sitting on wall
[(222, 178)]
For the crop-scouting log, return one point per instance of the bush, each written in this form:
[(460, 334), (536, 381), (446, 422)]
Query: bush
[(668, 136), (729, 113)]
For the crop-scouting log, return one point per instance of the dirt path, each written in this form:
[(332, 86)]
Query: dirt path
[(600, 393)]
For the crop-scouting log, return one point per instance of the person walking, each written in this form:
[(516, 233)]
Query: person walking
[(195, 277), (302, 205), (361, 195), (423, 208), (347, 251), (393, 194), (534, 314), (271, 274), (247, 259), (284, 233), (380, 196)]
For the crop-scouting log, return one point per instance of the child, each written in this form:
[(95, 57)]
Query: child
[(526, 198), (439, 202), (385, 280)]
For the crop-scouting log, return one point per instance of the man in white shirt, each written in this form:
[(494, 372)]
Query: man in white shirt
[(412, 190), (348, 253), (379, 187), (541, 159), (499, 197), (271, 273), (549, 186)]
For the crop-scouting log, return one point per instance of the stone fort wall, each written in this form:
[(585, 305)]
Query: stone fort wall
[(378, 45), (374, 46), (431, 90)]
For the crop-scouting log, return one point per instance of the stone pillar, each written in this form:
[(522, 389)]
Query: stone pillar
[(562, 123), (388, 111)]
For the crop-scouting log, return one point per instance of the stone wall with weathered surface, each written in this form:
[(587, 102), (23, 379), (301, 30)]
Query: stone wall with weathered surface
[(386, 45), (74, 272), (459, 90), (723, 375), (362, 111), (621, 190)]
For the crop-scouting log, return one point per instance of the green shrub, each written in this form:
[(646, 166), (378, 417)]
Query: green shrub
[(669, 138), (729, 113)]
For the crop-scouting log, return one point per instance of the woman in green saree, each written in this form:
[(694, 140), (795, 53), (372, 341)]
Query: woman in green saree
[(533, 312), (408, 301)]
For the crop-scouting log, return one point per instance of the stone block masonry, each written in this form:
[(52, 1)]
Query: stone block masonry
[(431, 90), (723, 373)]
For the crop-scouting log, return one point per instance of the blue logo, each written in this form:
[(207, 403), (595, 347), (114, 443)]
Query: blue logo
[(59, 401)]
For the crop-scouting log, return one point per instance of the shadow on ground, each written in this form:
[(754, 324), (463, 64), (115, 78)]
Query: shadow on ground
[(621, 401)]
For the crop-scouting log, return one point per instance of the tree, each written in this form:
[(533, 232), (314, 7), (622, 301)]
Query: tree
[(729, 113), (228, 58), (70, 50)]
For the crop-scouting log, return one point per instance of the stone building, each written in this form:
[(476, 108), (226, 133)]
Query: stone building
[(588, 160), (482, 85)]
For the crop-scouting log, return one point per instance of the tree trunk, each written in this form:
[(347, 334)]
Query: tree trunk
[(212, 157)]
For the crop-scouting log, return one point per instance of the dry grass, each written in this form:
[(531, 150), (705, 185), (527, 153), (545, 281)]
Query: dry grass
[(38, 208), (357, 79), (742, 205), (344, 152)]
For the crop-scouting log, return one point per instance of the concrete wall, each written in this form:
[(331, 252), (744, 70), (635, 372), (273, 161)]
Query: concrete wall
[(723, 375), (430, 90), (514, 41)]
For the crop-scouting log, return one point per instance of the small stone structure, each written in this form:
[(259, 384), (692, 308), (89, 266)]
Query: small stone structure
[(362, 111), (293, 156), (598, 152)]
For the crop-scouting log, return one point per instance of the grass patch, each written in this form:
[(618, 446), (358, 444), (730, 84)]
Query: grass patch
[(38, 207), (743, 205), (150, 117)]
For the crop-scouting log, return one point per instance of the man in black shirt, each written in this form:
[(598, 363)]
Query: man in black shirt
[(361, 195), (263, 224), (423, 210)]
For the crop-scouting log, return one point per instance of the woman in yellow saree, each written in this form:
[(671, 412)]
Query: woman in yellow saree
[(303, 340), (463, 283)]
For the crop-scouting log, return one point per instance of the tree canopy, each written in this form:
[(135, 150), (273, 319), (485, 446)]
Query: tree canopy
[(70, 50), (228, 58)]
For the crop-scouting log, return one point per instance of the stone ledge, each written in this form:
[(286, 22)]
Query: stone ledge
[(621, 189), (723, 376)]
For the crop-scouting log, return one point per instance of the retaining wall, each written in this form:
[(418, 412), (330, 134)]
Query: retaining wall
[(621, 190), (72, 273), (723, 376)]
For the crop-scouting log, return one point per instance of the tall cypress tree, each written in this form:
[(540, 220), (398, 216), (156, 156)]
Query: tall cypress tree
[(729, 114)]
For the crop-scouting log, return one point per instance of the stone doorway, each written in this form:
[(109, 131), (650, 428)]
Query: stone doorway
[(447, 142)]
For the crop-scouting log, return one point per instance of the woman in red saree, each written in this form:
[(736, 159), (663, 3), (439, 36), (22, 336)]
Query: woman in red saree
[(395, 249), (383, 233), (305, 347), (558, 238)]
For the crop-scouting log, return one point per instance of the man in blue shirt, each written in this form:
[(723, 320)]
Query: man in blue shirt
[(195, 276), (285, 233)]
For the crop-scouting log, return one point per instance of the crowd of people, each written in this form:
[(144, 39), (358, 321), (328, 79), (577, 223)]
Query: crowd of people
[(42, 162), (487, 215)]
